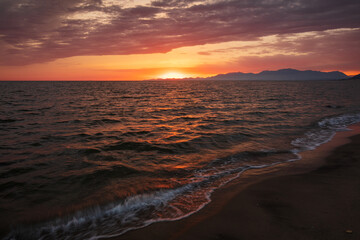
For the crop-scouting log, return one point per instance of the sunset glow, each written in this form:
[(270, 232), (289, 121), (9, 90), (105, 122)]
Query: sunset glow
[(170, 75), (145, 39)]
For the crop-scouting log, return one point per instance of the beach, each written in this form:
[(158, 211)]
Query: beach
[(314, 198)]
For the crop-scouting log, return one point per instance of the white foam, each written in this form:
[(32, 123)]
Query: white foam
[(326, 130), (340, 122)]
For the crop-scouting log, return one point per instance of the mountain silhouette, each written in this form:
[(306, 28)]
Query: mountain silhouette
[(356, 77), (282, 74)]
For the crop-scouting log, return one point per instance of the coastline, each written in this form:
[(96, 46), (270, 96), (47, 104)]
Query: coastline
[(314, 198)]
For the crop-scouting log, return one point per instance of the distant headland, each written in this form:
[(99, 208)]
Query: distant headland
[(282, 74)]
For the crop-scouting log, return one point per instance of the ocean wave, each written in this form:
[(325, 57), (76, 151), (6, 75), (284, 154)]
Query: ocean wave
[(325, 131), (140, 210), (136, 146), (340, 122), (113, 219), (10, 120)]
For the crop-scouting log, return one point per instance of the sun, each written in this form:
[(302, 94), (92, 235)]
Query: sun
[(169, 75)]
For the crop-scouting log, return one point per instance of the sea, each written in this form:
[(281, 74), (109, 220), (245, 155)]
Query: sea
[(93, 160)]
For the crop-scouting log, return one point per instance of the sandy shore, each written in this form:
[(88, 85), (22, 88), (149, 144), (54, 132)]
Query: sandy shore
[(315, 198)]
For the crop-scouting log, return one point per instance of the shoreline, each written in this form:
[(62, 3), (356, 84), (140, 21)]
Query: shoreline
[(258, 207)]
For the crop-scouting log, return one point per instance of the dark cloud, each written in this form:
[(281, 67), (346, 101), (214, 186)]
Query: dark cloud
[(40, 30)]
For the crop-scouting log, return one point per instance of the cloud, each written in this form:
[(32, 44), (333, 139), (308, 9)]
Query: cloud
[(325, 50), (40, 31)]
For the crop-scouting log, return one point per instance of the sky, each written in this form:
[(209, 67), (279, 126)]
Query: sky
[(147, 39)]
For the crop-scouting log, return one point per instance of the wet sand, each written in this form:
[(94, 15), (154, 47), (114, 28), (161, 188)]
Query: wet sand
[(315, 198)]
